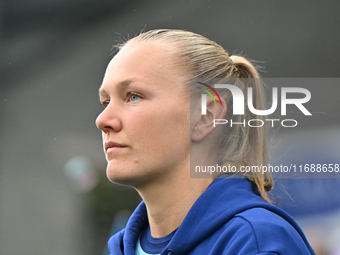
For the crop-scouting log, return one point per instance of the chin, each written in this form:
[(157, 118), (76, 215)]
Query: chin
[(123, 177), (120, 178), (135, 178)]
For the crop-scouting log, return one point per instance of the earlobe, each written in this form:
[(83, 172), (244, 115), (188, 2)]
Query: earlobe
[(205, 123)]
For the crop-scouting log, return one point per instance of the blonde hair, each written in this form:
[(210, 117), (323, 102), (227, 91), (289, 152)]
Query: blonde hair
[(201, 58)]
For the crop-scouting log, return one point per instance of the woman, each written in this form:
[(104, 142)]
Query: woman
[(152, 136)]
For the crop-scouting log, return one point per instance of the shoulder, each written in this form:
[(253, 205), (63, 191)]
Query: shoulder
[(262, 220), (265, 231)]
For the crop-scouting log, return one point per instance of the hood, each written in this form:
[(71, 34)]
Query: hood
[(222, 200)]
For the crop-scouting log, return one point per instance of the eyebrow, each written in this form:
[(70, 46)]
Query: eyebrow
[(120, 86)]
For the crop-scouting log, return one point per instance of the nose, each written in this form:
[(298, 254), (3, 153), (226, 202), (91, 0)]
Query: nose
[(107, 121)]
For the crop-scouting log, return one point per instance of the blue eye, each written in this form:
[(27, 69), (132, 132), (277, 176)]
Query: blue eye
[(134, 97)]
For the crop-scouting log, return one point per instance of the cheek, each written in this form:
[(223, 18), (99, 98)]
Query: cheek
[(160, 128)]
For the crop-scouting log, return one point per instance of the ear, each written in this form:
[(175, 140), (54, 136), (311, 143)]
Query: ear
[(205, 123)]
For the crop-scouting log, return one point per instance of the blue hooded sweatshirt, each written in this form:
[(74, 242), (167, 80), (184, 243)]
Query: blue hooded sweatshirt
[(228, 218)]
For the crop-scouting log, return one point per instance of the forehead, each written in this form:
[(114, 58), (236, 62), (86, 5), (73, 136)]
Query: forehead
[(142, 61)]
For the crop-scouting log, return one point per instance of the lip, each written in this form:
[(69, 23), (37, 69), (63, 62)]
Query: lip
[(113, 146)]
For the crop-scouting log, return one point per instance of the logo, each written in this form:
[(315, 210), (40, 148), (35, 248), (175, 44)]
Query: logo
[(239, 105)]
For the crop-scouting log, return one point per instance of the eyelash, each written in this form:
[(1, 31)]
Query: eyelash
[(133, 94), (106, 103)]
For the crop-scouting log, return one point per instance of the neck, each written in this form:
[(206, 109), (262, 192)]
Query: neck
[(169, 200)]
